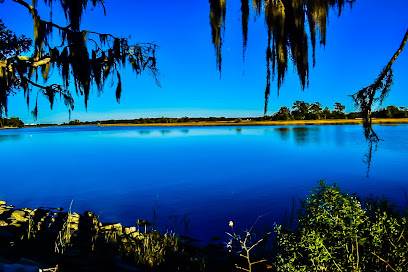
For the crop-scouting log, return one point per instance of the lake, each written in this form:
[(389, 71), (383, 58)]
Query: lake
[(195, 179)]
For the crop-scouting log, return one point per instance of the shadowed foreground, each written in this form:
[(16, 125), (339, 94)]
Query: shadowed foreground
[(52, 240)]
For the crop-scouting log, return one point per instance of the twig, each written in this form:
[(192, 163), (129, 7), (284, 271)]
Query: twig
[(358, 256), (384, 261), (332, 258)]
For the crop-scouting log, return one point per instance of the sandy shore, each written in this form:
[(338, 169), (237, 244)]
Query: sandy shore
[(386, 121), (8, 127), (379, 121)]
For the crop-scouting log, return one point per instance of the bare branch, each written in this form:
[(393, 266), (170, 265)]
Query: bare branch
[(381, 259)]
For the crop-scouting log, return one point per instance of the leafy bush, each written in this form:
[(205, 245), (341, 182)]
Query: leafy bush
[(337, 233), (11, 122)]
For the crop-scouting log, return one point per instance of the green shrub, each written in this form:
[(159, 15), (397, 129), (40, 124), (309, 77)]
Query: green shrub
[(11, 122), (336, 232)]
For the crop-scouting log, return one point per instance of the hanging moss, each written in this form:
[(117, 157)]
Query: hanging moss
[(287, 37)]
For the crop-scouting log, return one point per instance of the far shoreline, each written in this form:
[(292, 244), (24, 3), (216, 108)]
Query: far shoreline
[(375, 121), (379, 121)]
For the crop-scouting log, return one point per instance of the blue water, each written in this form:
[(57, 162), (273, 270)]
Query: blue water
[(197, 179)]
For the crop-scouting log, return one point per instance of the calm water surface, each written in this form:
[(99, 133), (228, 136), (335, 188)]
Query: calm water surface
[(197, 178)]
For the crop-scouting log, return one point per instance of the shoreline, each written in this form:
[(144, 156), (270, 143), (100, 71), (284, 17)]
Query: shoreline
[(379, 121), (375, 121)]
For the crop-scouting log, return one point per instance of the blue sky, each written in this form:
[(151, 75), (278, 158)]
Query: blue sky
[(359, 43)]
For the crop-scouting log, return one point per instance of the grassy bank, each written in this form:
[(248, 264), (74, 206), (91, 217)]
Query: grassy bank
[(334, 231), (272, 123)]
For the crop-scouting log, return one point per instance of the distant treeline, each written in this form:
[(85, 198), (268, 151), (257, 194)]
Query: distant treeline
[(315, 111), (11, 122), (299, 111)]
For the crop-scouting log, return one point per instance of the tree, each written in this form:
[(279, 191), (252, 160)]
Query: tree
[(286, 22), (11, 122), (300, 109), (87, 58), (284, 110), (339, 107), (315, 110), (326, 113), (393, 112), (338, 112), (282, 114), (338, 232), (10, 45)]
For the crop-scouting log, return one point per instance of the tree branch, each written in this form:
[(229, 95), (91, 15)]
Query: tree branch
[(30, 8), (384, 261), (32, 62), (403, 43)]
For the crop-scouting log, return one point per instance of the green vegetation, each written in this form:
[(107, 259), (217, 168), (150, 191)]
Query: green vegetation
[(300, 111), (11, 122), (288, 39), (391, 112), (86, 57), (337, 232)]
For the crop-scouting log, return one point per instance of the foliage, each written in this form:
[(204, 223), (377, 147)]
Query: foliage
[(300, 109), (339, 107), (367, 97), (283, 114), (336, 232), (10, 45), (87, 58), (11, 122), (286, 23), (312, 112), (148, 248), (338, 112), (316, 108), (391, 112)]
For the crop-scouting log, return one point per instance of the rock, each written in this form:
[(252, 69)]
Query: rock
[(15, 224), (19, 216), (117, 227), (2, 203), (3, 223), (3, 209), (130, 230)]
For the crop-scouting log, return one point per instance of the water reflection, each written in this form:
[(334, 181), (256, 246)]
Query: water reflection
[(372, 141), (12, 137), (301, 135), (144, 132), (339, 135), (283, 133), (239, 130), (185, 131), (165, 131)]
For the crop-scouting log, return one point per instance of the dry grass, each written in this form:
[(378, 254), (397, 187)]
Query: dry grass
[(271, 123)]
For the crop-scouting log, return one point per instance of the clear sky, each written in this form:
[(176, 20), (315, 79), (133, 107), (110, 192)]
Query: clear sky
[(359, 44)]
